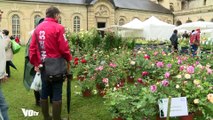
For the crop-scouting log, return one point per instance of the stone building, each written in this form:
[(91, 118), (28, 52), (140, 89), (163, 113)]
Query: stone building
[(189, 10), (19, 16)]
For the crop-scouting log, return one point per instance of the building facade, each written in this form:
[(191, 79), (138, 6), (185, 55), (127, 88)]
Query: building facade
[(76, 15), (189, 10)]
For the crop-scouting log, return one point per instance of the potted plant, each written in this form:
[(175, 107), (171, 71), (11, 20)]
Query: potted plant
[(86, 86)]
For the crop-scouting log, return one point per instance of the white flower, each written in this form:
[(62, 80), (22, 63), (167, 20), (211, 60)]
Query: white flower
[(196, 82), (95, 91), (179, 76), (153, 65), (177, 86), (200, 66), (196, 101), (132, 62), (208, 65), (114, 89), (139, 52), (187, 76), (76, 86)]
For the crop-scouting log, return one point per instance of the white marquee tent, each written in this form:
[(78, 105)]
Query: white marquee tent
[(154, 29), (194, 25), (134, 24), (132, 29)]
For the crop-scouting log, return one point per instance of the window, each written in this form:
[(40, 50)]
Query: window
[(204, 2), (16, 25), (35, 20), (201, 19), (121, 21), (171, 7), (76, 24), (188, 21), (178, 23)]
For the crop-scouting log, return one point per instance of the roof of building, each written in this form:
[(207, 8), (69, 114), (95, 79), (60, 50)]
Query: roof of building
[(145, 5)]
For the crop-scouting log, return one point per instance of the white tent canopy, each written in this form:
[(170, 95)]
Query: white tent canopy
[(194, 25), (132, 29), (154, 29), (134, 24)]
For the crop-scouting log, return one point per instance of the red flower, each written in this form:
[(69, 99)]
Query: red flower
[(75, 62), (83, 61), (145, 73), (76, 59), (140, 80), (147, 57)]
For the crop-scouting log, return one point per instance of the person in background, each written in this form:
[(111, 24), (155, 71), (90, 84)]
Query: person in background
[(29, 72), (185, 35), (17, 39), (195, 35), (3, 104), (174, 40), (9, 52), (49, 41)]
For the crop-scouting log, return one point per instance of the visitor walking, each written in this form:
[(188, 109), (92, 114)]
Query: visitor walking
[(185, 35), (9, 52), (195, 41), (49, 44), (3, 104), (174, 40)]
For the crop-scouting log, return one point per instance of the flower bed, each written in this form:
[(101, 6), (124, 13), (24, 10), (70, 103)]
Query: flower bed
[(155, 74)]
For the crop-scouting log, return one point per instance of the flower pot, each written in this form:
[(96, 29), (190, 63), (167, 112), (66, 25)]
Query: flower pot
[(130, 79), (81, 77), (118, 118), (158, 118), (189, 117), (102, 93), (87, 93)]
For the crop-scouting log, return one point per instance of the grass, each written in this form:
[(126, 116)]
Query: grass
[(18, 97)]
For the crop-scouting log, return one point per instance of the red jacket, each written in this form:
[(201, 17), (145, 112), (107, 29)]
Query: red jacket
[(52, 42)]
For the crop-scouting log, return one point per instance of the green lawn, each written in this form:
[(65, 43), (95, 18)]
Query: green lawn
[(18, 97)]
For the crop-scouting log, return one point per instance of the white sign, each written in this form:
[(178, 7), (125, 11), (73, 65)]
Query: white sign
[(178, 107), (29, 113)]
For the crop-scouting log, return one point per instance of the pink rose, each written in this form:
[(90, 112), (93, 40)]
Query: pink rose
[(153, 88), (105, 80), (179, 61), (112, 65), (159, 64), (169, 65), (181, 68), (190, 69), (165, 83), (167, 75), (209, 71)]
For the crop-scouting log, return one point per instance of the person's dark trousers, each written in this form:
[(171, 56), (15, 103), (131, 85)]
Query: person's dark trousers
[(56, 89), (194, 49), (8, 68), (175, 47), (3, 107), (37, 97)]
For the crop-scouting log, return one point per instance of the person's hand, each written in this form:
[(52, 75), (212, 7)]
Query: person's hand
[(36, 69), (68, 67)]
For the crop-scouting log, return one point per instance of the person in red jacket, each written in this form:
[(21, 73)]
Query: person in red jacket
[(195, 35), (49, 41)]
